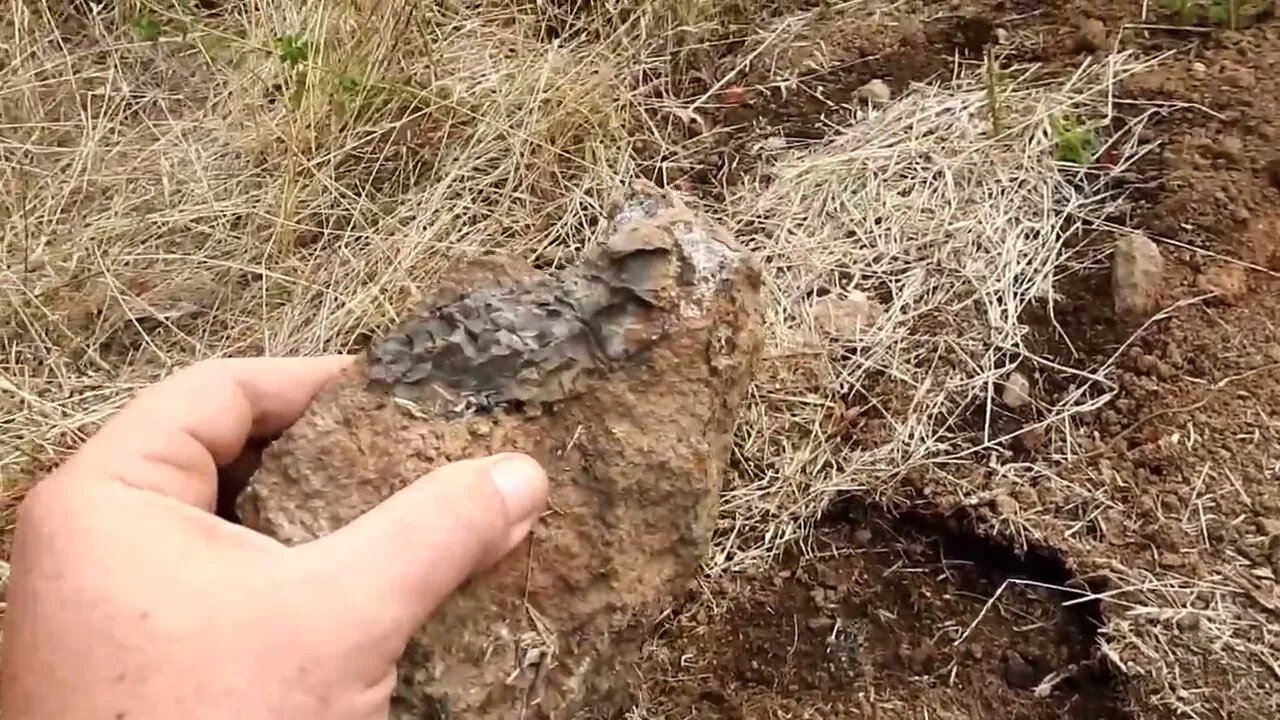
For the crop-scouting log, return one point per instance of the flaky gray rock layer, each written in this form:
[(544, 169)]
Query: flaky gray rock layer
[(621, 375)]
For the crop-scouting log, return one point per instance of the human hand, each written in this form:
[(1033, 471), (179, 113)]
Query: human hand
[(131, 600)]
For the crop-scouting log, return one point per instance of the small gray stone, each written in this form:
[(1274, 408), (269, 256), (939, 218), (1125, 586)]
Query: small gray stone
[(1017, 391), (876, 92), (1137, 271)]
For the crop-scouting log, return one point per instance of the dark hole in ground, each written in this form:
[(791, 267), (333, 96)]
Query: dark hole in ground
[(889, 611)]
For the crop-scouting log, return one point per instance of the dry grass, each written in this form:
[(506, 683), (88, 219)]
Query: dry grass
[(214, 192), (957, 233), (198, 196)]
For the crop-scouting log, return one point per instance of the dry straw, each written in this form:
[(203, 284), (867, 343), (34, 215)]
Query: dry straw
[(957, 232)]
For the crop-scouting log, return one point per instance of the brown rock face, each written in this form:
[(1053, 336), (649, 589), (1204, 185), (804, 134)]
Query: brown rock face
[(622, 376)]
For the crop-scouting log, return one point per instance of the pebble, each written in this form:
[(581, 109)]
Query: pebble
[(1017, 390), (1137, 271), (844, 316), (1199, 70), (876, 92)]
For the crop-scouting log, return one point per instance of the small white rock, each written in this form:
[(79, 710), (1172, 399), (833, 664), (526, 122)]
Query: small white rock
[(875, 92), (1017, 390), (844, 316), (4, 580), (1199, 70)]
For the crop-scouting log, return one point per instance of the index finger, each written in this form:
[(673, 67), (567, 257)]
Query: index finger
[(172, 436)]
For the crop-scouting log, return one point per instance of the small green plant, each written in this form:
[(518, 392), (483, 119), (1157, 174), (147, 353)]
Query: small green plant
[(292, 50), (147, 27), (1225, 13), (1186, 12), (1074, 141), (1232, 14)]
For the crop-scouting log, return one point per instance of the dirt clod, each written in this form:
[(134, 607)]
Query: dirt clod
[(1091, 35), (1229, 280), (1240, 77), (1136, 277), (621, 376)]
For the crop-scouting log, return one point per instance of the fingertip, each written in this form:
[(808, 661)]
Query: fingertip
[(522, 484)]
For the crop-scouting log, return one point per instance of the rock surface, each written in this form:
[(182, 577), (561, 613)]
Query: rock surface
[(622, 376), (1136, 277), (1017, 390)]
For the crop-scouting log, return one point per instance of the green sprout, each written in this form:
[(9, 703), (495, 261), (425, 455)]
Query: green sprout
[(1225, 13), (292, 49), (1185, 11), (147, 27), (1073, 141)]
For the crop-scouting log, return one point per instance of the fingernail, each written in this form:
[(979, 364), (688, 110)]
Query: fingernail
[(523, 486), (518, 533)]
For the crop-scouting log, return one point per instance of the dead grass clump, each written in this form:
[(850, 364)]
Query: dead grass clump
[(955, 233), (272, 178)]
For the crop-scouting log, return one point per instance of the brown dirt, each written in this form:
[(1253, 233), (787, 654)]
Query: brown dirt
[(889, 617), (1182, 464)]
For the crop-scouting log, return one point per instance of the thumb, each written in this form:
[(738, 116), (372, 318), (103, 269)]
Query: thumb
[(415, 548)]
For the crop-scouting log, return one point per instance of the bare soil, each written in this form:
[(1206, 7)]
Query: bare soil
[(888, 614)]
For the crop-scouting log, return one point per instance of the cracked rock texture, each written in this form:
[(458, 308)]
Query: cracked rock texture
[(622, 376)]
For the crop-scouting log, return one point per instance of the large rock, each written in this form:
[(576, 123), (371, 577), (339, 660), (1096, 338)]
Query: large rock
[(1137, 271), (622, 376)]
